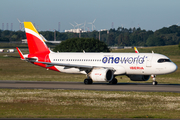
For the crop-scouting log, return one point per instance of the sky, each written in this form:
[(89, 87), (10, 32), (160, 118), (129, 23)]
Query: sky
[(46, 14)]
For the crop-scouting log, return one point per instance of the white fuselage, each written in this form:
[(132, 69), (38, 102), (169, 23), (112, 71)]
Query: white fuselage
[(122, 63)]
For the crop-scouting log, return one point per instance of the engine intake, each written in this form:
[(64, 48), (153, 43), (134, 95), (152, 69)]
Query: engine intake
[(101, 74)]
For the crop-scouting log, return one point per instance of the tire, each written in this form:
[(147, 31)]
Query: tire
[(113, 81), (88, 81), (154, 82)]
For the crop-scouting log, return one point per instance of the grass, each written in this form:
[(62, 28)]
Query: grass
[(87, 104), (12, 45)]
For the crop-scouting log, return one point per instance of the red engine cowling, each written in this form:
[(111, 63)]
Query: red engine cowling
[(139, 77), (101, 74)]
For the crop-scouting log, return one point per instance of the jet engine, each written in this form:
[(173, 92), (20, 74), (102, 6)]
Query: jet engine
[(139, 77), (101, 74)]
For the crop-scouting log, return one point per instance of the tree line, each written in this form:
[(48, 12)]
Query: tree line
[(113, 37), (82, 44)]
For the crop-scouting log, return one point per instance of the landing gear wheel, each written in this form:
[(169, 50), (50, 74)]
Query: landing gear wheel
[(88, 81), (154, 82), (113, 81)]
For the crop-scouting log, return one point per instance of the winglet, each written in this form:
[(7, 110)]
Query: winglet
[(136, 51), (20, 53)]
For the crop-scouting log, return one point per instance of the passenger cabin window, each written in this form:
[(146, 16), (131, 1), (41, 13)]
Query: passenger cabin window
[(164, 60)]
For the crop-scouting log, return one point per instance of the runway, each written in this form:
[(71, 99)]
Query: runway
[(141, 87)]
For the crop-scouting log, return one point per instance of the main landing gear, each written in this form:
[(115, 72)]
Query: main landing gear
[(88, 81), (154, 80), (113, 81)]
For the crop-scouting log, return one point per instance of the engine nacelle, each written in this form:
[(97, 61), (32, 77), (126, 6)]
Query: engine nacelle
[(101, 74), (139, 77)]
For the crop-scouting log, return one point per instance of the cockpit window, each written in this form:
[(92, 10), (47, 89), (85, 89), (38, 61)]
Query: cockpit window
[(164, 60)]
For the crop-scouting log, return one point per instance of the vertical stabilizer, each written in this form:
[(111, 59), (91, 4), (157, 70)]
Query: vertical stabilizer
[(35, 41), (136, 51)]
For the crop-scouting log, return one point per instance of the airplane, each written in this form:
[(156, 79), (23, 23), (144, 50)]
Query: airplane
[(101, 67), (47, 41)]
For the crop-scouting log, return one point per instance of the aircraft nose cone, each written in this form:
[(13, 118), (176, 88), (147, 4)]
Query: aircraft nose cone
[(173, 67)]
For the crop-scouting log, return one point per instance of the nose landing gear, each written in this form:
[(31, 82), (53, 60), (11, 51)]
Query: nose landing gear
[(154, 80)]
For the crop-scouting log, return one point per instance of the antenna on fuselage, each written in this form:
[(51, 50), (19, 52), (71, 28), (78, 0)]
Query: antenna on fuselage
[(84, 51)]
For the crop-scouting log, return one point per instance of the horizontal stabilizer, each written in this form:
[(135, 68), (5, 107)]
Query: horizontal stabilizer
[(20, 53)]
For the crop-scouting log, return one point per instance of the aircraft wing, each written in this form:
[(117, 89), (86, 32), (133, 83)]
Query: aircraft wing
[(81, 67), (48, 64)]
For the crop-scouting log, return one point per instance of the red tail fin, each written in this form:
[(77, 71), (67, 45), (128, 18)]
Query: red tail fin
[(35, 42)]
